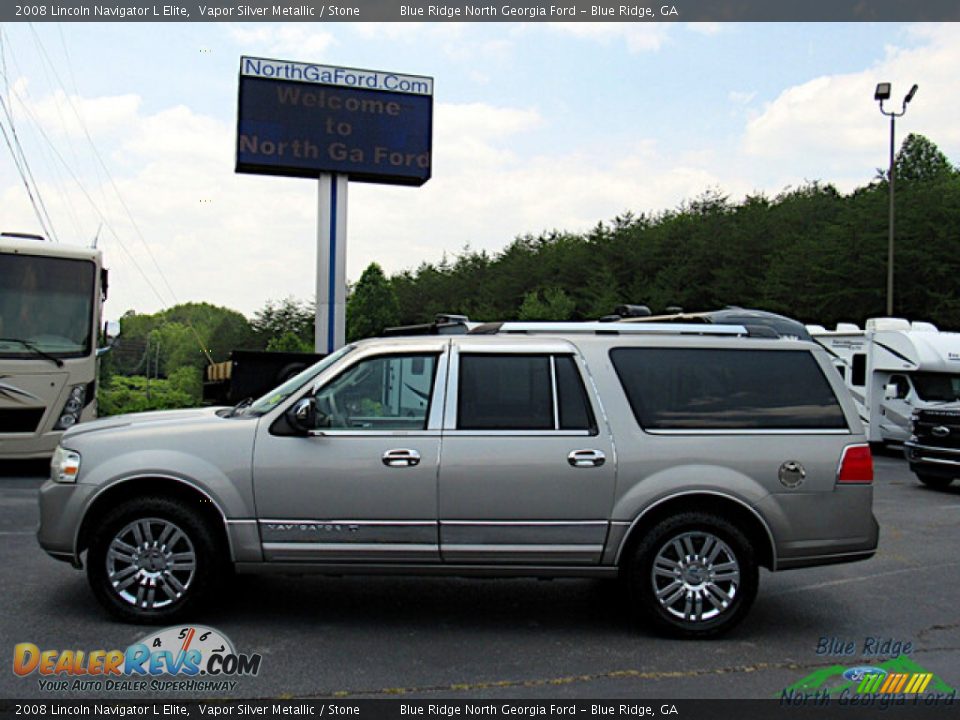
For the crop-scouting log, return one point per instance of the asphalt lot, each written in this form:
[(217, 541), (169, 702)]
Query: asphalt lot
[(475, 639)]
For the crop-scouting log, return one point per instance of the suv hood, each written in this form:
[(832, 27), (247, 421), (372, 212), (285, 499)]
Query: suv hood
[(190, 416)]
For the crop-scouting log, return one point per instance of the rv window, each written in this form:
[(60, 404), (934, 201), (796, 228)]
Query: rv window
[(842, 370), (858, 376), (698, 388), (937, 387)]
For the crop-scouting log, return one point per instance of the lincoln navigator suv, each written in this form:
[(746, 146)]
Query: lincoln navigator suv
[(680, 458)]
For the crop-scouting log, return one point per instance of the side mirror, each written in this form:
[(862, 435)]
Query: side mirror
[(891, 392), (111, 333), (302, 416)]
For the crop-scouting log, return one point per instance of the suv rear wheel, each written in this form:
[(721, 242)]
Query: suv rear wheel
[(152, 560), (694, 575)]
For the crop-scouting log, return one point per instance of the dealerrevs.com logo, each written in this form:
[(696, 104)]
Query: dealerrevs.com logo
[(180, 658)]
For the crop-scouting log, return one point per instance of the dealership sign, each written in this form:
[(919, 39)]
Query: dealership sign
[(302, 119)]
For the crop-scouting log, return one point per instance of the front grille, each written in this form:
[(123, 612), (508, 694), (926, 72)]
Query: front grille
[(20, 420), (940, 428)]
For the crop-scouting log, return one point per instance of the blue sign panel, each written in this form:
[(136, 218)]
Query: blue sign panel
[(302, 120)]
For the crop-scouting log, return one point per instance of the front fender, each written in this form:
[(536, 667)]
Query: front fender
[(201, 474)]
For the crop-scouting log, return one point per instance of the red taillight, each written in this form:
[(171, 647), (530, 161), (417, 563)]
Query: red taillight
[(856, 465)]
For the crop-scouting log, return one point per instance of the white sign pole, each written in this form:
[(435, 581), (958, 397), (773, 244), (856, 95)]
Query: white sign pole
[(331, 319)]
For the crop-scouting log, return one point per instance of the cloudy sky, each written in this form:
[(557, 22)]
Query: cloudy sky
[(536, 127)]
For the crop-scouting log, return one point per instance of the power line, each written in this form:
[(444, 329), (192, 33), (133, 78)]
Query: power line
[(106, 170), (87, 195), (23, 177), (23, 166)]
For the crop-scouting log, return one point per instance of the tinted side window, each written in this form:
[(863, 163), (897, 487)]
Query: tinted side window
[(505, 392), (575, 412), (694, 388)]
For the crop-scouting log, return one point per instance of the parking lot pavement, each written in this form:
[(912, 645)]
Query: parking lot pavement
[(458, 638)]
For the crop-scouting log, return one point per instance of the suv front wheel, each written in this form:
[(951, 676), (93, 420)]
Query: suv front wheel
[(152, 559), (937, 482), (693, 575)]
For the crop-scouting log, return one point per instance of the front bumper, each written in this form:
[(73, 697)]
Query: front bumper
[(930, 460), (61, 511), (29, 447)]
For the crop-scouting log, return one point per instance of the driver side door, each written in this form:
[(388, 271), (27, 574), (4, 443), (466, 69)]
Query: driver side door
[(362, 487)]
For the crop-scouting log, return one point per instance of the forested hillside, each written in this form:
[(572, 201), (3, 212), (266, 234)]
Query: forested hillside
[(810, 252)]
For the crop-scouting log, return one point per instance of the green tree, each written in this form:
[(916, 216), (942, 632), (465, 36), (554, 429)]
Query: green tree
[(138, 394), (288, 342), (372, 305), (278, 318), (920, 160), (551, 304)]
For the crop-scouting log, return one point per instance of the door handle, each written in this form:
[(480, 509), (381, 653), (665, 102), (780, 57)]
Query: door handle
[(401, 457), (586, 458)]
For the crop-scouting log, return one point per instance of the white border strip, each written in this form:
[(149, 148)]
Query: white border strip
[(334, 75)]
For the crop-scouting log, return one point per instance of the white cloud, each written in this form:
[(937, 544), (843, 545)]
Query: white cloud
[(300, 40), (830, 124), (69, 115), (239, 240), (639, 37)]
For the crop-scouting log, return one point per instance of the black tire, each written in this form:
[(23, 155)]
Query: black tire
[(936, 482), (672, 620), (176, 590)]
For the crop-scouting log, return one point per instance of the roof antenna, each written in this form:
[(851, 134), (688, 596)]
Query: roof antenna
[(96, 237)]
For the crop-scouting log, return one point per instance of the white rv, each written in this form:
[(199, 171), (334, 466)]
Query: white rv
[(893, 367), (50, 300)]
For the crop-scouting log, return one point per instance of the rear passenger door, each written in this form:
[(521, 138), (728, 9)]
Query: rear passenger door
[(528, 470)]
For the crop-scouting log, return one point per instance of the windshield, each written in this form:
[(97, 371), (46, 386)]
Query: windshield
[(47, 302), (937, 387), (276, 396)]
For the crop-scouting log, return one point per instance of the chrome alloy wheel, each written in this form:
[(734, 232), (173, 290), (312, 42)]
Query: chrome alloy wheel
[(695, 576), (151, 563)]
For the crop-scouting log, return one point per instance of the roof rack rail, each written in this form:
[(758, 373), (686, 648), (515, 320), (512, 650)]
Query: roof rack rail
[(607, 328)]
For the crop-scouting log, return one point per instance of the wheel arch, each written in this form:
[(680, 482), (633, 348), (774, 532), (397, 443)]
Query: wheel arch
[(747, 518), (156, 485)]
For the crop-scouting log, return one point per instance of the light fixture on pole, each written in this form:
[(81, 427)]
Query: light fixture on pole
[(881, 94)]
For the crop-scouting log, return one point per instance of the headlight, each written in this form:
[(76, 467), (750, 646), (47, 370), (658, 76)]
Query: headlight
[(70, 415), (64, 466)]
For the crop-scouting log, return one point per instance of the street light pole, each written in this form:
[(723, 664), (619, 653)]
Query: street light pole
[(892, 176), (883, 93)]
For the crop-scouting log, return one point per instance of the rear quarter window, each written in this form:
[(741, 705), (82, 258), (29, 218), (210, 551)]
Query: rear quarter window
[(727, 389)]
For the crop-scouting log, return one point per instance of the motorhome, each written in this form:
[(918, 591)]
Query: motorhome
[(892, 367), (50, 300)]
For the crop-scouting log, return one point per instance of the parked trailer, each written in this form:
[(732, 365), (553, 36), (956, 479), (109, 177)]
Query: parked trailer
[(893, 367), (248, 374)]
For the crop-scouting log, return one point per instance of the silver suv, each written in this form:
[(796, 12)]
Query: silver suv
[(678, 457)]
